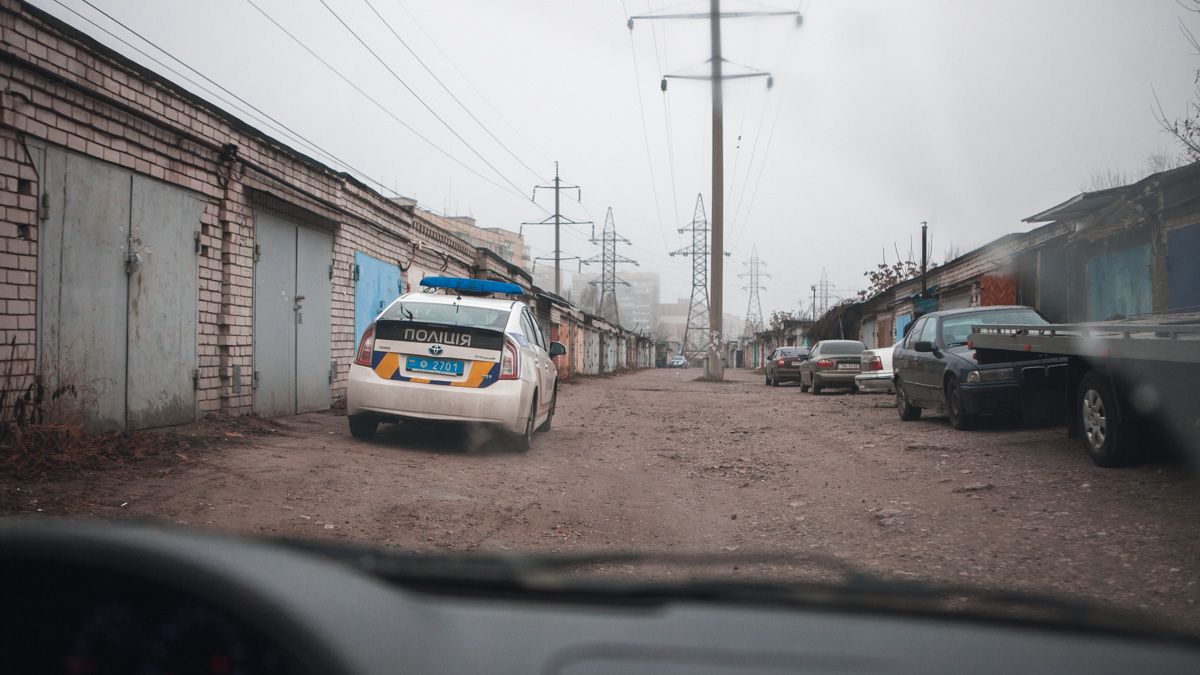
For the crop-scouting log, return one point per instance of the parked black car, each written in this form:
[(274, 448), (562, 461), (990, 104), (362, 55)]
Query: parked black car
[(783, 365), (936, 369)]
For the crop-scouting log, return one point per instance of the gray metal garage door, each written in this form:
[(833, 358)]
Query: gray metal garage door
[(292, 306), (117, 284)]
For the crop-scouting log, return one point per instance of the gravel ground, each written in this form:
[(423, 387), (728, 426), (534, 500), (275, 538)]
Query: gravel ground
[(658, 461)]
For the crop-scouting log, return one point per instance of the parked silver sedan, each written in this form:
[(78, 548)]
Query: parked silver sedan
[(876, 370), (831, 363)]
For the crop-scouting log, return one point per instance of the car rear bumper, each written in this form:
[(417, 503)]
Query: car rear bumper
[(835, 378), (505, 403), (874, 382), (783, 374)]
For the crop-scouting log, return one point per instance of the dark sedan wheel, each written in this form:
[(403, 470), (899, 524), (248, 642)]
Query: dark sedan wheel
[(768, 380), (908, 411), (954, 407)]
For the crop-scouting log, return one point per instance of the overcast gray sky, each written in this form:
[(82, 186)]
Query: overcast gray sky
[(968, 114)]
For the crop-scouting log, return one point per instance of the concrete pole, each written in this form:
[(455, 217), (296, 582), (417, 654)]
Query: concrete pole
[(714, 368), (557, 247)]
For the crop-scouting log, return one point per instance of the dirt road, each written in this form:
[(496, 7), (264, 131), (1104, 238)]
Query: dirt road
[(657, 461)]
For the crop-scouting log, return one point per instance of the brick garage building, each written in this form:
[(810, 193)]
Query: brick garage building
[(169, 260)]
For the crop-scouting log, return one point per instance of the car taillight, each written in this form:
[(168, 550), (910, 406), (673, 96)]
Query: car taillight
[(779, 362), (510, 362), (365, 346), (876, 363), (824, 363)]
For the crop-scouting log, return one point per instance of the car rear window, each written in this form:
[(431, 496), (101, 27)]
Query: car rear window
[(842, 347), (449, 314), (793, 352), (957, 328)]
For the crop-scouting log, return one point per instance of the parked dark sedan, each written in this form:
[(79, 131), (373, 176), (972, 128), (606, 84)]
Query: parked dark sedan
[(832, 363), (936, 369), (783, 365)]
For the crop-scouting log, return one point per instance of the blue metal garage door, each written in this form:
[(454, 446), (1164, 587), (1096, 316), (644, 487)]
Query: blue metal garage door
[(376, 283), (1183, 272), (1118, 284)]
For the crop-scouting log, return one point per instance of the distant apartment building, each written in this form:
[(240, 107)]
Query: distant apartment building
[(672, 321), (637, 302)]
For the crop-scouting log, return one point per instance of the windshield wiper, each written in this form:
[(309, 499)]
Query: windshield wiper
[(558, 577)]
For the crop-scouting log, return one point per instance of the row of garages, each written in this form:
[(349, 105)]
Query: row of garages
[(163, 260), (1118, 253)]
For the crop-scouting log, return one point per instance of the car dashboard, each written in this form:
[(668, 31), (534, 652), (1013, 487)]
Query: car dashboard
[(91, 597)]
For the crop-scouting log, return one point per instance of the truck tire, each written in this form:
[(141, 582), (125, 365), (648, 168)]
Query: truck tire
[(1100, 424)]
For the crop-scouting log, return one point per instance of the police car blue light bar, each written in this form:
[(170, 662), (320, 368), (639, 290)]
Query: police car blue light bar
[(472, 285)]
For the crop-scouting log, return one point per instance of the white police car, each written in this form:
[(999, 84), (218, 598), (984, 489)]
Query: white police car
[(458, 357)]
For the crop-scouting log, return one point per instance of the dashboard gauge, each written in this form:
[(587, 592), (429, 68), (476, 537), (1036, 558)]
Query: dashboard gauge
[(111, 640), (197, 640)]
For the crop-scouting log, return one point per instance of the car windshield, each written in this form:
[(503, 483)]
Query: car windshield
[(957, 328), (841, 347), (216, 218), (451, 314)]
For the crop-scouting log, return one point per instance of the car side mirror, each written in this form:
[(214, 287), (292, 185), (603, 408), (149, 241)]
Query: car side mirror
[(923, 346), (557, 349)]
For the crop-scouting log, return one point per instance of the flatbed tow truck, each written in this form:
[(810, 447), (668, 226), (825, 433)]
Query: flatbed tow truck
[(1132, 385)]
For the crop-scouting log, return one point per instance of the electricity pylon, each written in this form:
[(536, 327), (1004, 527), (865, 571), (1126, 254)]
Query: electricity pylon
[(608, 259), (696, 331), (753, 273)]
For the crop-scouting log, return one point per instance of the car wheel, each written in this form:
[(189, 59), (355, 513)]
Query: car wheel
[(954, 407), (550, 416), (854, 388), (908, 411), (803, 387), (523, 441), (363, 426), (816, 386), (1103, 435), (775, 380), (768, 380)]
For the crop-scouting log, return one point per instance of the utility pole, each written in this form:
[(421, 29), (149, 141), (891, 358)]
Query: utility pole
[(557, 220), (714, 368), (924, 257), (608, 260), (814, 304), (754, 273)]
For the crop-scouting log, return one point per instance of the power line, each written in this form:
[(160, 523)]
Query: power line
[(262, 116), (467, 80), (447, 89), (645, 135), (660, 61), (379, 105), (417, 96)]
